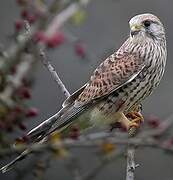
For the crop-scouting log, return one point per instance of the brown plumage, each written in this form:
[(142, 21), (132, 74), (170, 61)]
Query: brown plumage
[(114, 72), (118, 85)]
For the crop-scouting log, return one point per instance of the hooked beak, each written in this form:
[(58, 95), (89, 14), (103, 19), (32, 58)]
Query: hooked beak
[(135, 29)]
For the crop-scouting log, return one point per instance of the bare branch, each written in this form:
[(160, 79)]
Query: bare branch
[(52, 71), (15, 81), (22, 68), (54, 26), (48, 65), (130, 175), (64, 16), (164, 127), (89, 141)]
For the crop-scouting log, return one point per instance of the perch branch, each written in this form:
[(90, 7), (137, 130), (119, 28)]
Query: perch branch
[(89, 141), (131, 166)]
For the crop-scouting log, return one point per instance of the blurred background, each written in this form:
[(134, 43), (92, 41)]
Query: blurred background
[(102, 32)]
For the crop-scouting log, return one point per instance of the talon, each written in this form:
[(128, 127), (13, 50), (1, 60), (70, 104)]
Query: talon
[(133, 124), (130, 121), (135, 116), (136, 120)]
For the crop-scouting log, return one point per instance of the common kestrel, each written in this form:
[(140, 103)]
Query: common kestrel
[(118, 85)]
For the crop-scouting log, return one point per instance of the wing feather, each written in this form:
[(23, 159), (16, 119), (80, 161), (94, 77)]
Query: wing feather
[(116, 71), (73, 96)]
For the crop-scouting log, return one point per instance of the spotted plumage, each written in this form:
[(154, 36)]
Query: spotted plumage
[(118, 85), (114, 72)]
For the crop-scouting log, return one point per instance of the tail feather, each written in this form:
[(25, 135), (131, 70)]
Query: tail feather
[(13, 162), (38, 135), (64, 117)]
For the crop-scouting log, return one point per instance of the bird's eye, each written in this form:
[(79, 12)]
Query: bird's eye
[(147, 23)]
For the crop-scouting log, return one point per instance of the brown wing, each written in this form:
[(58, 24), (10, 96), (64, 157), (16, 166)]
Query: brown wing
[(116, 71)]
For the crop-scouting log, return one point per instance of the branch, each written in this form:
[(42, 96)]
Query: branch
[(10, 57), (15, 81), (163, 128), (52, 71), (64, 16), (57, 22), (131, 166), (48, 65), (143, 139), (88, 141), (95, 140), (22, 69)]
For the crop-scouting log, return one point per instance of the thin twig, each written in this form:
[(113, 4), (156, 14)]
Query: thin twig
[(163, 128), (59, 20), (15, 81), (22, 68), (10, 56), (54, 26), (48, 65), (52, 71)]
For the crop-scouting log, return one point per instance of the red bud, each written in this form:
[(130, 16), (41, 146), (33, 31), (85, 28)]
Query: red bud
[(171, 141), (24, 14), (74, 135), (24, 93), (22, 126), (31, 18), (18, 25), (18, 109), (32, 112), (40, 37), (80, 50), (153, 121), (55, 40)]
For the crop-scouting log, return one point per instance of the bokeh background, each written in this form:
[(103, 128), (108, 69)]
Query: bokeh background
[(103, 31)]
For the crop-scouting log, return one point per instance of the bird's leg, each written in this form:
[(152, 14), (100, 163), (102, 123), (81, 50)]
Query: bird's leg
[(131, 120), (125, 121), (135, 117)]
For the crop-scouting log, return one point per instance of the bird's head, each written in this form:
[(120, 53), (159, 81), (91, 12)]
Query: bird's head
[(146, 26)]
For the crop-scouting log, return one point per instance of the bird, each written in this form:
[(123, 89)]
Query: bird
[(118, 85)]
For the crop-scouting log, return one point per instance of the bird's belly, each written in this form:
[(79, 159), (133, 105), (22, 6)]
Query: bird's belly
[(101, 119)]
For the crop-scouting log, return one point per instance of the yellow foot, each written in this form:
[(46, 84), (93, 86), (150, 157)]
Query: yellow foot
[(136, 119), (131, 121)]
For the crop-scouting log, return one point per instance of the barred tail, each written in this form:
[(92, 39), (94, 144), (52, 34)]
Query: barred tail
[(10, 165)]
